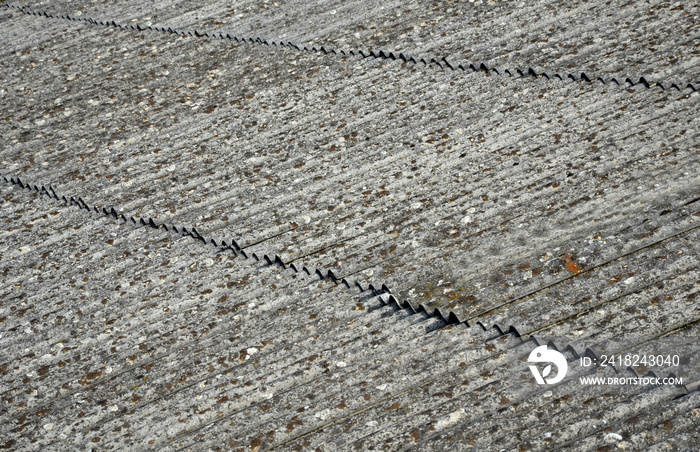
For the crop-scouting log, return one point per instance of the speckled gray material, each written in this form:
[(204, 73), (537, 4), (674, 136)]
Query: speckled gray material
[(218, 235), (651, 38)]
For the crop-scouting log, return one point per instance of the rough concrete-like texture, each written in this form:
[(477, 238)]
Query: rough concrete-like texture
[(654, 39), (223, 230)]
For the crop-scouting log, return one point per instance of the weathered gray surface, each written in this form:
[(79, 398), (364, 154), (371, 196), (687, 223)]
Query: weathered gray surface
[(654, 39), (207, 164), (567, 210)]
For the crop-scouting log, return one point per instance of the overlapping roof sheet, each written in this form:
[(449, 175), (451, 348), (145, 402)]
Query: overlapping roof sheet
[(303, 225)]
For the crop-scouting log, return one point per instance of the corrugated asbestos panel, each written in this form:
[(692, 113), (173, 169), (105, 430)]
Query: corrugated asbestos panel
[(90, 371), (499, 183), (97, 310), (193, 368), (620, 39), (481, 400), (188, 214)]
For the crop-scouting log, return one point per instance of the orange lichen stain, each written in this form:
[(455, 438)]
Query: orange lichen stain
[(573, 268)]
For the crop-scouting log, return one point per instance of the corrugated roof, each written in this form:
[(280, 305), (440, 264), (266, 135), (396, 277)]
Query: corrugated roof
[(219, 240), (620, 39)]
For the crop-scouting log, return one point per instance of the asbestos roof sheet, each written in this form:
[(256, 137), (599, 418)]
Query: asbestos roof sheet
[(347, 226), (618, 39)]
